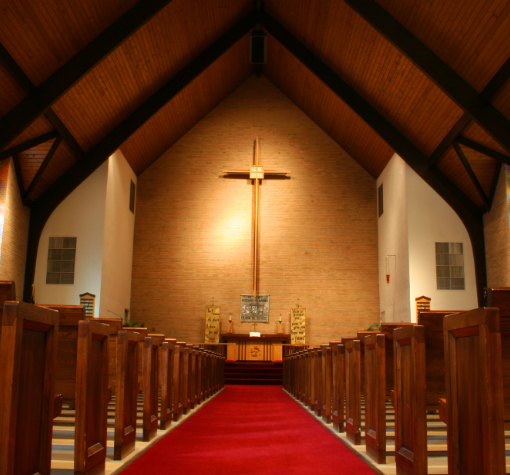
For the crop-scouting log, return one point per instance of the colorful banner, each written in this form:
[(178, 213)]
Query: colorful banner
[(297, 326), (212, 324), (254, 309)]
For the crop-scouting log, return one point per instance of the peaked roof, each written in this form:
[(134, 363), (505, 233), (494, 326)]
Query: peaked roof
[(427, 79)]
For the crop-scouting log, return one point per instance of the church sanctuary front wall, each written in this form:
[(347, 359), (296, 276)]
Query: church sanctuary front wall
[(119, 226), (15, 232), (497, 234), (318, 230), (80, 215)]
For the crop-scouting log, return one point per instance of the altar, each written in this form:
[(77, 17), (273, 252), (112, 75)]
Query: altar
[(243, 347)]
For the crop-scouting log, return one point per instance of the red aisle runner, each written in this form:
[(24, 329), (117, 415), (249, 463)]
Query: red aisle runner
[(249, 430)]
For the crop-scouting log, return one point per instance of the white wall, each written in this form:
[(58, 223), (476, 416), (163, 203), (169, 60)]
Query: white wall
[(118, 239), (81, 214), (393, 241), (429, 220)]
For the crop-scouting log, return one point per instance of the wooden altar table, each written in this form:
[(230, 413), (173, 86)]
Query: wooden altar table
[(266, 347)]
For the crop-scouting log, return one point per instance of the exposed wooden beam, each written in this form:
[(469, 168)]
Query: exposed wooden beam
[(19, 177), (495, 180), (471, 173), (41, 169), (449, 138), (28, 144), (468, 212), (483, 149), (50, 199), (459, 90), (30, 108), (497, 82), (7, 61), (63, 131)]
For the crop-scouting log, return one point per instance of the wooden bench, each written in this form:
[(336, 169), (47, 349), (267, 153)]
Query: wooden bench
[(327, 377), (65, 372), (126, 394), (92, 398), (352, 390), (410, 400), (474, 393), (177, 379), (166, 382), (375, 397), (151, 358), (28, 351), (338, 378)]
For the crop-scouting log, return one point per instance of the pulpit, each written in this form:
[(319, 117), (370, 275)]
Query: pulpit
[(266, 347)]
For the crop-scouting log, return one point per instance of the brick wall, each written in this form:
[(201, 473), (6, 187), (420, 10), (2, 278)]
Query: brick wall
[(318, 230), (15, 235), (497, 235)]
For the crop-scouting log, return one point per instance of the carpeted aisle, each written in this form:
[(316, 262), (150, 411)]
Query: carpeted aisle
[(249, 430)]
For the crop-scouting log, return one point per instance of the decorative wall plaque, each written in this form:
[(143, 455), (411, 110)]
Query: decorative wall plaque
[(254, 309)]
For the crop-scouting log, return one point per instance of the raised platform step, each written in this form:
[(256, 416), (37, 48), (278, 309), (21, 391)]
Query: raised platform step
[(254, 372)]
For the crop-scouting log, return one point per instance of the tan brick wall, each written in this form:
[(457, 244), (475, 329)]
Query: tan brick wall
[(318, 230), (15, 235), (497, 235)]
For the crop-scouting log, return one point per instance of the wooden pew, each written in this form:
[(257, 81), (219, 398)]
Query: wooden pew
[(474, 393), (198, 376), (141, 344), (311, 372), (317, 408), (7, 292), (92, 398), (327, 376), (375, 397), (28, 350), (126, 394), (338, 371), (115, 325), (352, 390), (177, 379), (192, 359), (65, 372), (499, 297), (166, 378), (432, 321), (151, 358), (184, 374), (410, 400)]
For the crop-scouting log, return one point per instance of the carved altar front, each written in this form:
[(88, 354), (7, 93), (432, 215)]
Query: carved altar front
[(267, 347)]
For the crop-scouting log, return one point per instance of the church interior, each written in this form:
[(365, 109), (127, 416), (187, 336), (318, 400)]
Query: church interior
[(381, 132)]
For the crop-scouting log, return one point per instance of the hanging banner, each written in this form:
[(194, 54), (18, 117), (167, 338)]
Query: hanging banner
[(212, 324), (255, 309), (297, 326)]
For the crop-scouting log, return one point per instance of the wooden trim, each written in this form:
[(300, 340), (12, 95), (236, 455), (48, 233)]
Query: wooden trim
[(471, 173), (445, 144), (64, 132), (28, 144), (451, 83), (483, 149), (41, 169), (30, 108)]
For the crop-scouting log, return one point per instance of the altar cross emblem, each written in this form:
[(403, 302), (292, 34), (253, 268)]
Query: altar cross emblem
[(256, 173)]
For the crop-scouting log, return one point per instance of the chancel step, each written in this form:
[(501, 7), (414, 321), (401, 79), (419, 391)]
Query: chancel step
[(254, 373)]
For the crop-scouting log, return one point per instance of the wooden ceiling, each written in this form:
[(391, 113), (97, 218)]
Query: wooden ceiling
[(427, 79)]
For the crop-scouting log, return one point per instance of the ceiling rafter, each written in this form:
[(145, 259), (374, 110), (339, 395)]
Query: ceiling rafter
[(483, 149), (23, 80), (28, 144), (41, 169), (468, 212), (494, 185), (471, 173), (486, 95), (37, 101), (451, 83), (17, 169), (60, 189)]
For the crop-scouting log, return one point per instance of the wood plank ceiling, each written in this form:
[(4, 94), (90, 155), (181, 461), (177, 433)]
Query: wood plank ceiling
[(81, 78)]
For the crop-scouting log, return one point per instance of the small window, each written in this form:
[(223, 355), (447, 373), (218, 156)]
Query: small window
[(380, 199), (61, 257), (132, 194), (450, 266)]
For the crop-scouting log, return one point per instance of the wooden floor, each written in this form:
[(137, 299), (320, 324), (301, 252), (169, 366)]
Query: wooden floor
[(436, 443), (62, 457)]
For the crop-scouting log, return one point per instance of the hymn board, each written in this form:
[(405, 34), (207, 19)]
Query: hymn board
[(256, 308)]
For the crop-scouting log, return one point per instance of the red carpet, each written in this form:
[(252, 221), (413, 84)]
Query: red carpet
[(249, 430)]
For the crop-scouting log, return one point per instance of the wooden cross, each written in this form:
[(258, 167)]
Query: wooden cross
[(256, 173), (254, 326)]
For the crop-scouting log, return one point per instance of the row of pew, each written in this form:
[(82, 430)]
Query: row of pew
[(53, 357), (450, 365)]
